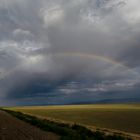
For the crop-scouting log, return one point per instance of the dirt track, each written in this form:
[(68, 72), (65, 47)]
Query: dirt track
[(13, 129)]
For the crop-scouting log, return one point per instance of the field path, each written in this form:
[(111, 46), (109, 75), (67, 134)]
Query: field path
[(13, 129)]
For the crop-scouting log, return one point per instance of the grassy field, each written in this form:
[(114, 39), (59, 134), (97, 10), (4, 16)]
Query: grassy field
[(117, 116), (62, 131)]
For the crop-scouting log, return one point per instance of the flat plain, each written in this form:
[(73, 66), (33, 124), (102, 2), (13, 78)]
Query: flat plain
[(121, 117)]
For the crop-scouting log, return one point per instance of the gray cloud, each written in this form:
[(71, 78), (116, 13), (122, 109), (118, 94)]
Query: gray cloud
[(45, 45)]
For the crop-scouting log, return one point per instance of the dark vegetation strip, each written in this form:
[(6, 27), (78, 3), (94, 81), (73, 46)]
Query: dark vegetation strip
[(66, 131)]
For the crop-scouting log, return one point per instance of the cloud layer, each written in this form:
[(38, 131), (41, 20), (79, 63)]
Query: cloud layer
[(59, 52)]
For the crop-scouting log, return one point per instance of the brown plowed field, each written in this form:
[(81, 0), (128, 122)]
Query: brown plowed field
[(13, 129)]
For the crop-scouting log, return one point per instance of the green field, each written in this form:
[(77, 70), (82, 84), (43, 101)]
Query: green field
[(117, 116)]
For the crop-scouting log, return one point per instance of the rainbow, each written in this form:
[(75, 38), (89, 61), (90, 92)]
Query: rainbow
[(74, 54), (96, 57), (90, 56)]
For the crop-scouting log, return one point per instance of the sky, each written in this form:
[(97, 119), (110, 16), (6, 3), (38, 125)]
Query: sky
[(69, 52)]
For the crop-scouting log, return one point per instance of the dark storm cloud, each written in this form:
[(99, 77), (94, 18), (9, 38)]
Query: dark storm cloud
[(131, 56), (34, 35)]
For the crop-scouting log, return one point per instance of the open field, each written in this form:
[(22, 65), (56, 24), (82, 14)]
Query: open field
[(12, 128), (66, 131), (119, 117)]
